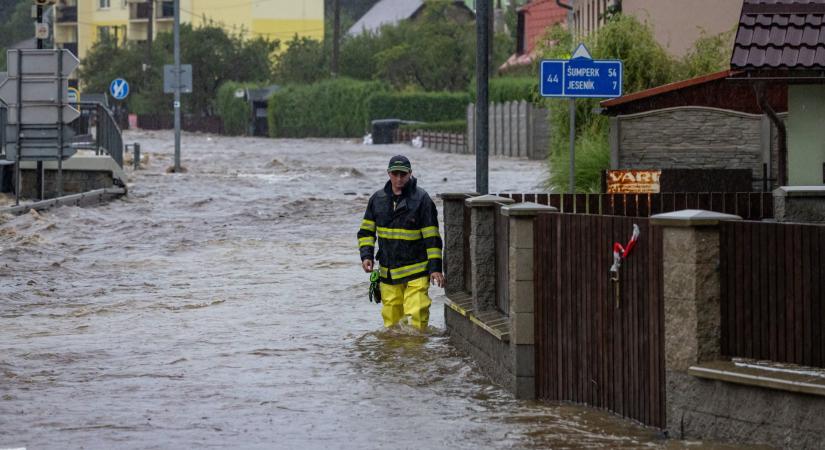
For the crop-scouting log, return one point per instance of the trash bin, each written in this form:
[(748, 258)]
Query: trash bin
[(383, 129)]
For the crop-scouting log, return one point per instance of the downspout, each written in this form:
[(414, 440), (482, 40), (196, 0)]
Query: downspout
[(782, 149)]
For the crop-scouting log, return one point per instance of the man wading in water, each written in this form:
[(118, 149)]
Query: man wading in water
[(405, 219)]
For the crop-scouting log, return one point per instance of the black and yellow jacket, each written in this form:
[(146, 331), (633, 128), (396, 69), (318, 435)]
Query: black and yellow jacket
[(409, 245)]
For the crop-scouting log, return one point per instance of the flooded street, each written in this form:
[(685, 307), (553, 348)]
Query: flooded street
[(225, 307)]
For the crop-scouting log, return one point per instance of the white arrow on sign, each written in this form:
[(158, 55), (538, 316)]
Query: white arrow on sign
[(41, 114), (41, 62), (32, 90)]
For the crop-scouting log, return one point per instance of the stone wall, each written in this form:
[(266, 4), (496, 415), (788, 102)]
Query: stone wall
[(718, 410), (693, 138), (74, 182)]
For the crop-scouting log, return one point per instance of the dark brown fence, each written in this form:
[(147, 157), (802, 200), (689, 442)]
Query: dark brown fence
[(748, 205), (773, 292), (211, 124), (588, 350), (502, 262), (454, 142)]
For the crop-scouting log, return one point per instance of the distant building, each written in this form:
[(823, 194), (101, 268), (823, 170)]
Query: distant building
[(780, 46), (391, 12), (676, 23), (80, 23), (532, 23)]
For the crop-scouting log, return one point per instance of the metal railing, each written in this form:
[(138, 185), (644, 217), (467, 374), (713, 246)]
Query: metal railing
[(96, 129)]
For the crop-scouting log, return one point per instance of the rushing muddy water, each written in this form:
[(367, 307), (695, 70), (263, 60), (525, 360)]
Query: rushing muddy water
[(225, 307)]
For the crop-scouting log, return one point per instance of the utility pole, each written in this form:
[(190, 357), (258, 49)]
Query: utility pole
[(336, 36), (177, 85), (482, 97)]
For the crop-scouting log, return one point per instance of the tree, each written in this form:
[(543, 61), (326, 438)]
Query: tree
[(432, 53), (303, 61), (215, 55), (16, 25)]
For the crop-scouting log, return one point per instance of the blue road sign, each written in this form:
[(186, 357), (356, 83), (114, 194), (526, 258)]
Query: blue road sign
[(119, 88), (581, 76)]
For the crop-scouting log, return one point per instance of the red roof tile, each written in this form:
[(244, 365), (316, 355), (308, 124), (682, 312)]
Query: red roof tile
[(780, 34)]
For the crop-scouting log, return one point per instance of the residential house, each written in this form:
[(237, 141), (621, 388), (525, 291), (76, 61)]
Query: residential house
[(780, 44), (676, 23), (532, 23), (391, 12), (80, 23)]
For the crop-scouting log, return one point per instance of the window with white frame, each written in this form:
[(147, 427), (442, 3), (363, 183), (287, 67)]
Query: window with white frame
[(104, 4)]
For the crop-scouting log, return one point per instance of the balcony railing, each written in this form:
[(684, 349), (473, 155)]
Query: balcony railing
[(166, 10), (139, 11), (67, 14)]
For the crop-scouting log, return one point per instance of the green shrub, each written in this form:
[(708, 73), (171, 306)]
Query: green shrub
[(330, 108), (235, 112), (420, 106), (511, 89), (449, 126), (592, 158), (646, 65)]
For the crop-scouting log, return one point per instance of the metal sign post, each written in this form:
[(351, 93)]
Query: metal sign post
[(580, 77), (176, 105)]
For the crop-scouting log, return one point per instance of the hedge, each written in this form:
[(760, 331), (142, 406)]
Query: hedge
[(330, 108), (234, 111), (509, 89), (450, 126), (420, 106)]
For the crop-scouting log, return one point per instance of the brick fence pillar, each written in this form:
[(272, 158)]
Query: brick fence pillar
[(454, 240), (483, 249), (691, 294), (522, 298)]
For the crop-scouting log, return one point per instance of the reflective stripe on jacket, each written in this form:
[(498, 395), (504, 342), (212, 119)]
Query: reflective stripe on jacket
[(409, 244)]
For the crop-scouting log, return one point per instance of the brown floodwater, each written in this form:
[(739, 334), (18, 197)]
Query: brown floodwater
[(225, 308)]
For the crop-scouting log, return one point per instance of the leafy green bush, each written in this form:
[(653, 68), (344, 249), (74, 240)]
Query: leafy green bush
[(330, 108), (592, 157), (234, 111), (511, 89), (646, 64), (420, 106), (449, 126)]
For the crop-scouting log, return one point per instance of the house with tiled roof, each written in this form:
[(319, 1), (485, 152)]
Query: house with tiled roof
[(780, 44), (391, 12), (532, 23)]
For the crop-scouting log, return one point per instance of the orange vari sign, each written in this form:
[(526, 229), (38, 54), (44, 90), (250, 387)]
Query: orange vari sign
[(633, 181)]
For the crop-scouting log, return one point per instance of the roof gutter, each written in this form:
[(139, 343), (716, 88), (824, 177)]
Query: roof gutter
[(564, 5)]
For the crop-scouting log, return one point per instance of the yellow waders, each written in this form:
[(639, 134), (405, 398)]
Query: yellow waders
[(407, 299)]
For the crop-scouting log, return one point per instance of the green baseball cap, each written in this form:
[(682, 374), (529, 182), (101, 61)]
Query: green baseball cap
[(399, 163)]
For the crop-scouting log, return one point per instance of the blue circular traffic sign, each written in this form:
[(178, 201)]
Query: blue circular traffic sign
[(119, 88)]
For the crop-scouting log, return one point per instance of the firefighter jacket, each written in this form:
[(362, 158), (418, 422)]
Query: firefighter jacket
[(409, 244)]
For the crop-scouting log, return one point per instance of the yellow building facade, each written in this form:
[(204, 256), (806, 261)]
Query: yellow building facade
[(80, 23)]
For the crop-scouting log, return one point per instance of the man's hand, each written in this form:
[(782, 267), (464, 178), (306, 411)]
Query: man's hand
[(437, 278), (367, 265)]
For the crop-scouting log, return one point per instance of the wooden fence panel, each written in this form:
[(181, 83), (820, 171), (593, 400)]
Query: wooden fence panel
[(588, 350), (772, 301)]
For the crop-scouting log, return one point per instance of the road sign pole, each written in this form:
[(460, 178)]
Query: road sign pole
[(572, 107), (40, 170), (60, 123), (177, 85), (18, 183)]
